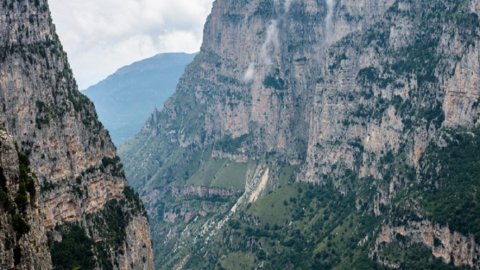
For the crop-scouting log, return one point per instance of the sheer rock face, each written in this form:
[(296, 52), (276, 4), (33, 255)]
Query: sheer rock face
[(331, 85), (343, 89), (274, 52), (57, 128), (253, 82), (463, 90), (380, 81), (31, 248)]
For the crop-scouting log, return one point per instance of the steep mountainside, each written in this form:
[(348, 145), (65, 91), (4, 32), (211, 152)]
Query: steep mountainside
[(125, 99), (325, 134), (67, 184), (24, 242)]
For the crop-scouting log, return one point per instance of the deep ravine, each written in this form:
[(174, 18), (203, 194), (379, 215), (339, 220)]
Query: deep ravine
[(365, 114)]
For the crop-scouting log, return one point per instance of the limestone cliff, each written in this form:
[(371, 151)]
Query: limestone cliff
[(451, 247), (80, 179), (22, 228), (346, 93)]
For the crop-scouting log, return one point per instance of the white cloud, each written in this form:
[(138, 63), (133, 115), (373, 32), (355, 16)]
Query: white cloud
[(328, 23), (249, 73), (188, 40), (102, 36), (287, 4), (271, 44)]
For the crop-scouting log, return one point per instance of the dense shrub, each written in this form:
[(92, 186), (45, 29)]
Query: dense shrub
[(75, 251), (450, 180)]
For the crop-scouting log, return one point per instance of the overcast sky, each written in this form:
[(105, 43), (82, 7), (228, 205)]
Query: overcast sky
[(102, 36)]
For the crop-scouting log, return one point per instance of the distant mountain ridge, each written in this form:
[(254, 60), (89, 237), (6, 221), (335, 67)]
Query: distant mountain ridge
[(125, 99)]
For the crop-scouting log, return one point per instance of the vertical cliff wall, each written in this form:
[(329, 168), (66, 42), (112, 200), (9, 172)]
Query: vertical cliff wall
[(23, 235), (253, 85), (82, 188), (352, 96)]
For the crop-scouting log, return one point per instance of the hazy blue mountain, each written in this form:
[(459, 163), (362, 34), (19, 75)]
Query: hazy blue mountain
[(126, 98)]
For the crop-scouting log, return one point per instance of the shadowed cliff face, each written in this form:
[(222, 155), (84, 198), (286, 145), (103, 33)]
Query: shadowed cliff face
[(24, 242), (80, 180), (348, 95)]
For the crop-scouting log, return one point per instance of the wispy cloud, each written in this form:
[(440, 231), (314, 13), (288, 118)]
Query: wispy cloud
[(287, 4), (270, 48), (328, 19), (271, 44), (249, 73), (102, 36)]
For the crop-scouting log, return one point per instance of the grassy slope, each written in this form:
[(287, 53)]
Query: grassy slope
[(221, 173), (300, 226)]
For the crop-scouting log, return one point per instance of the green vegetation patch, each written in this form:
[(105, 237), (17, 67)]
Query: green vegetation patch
[(115, 166), (416, 256), (297, 226), (450, 180), (275, 81), (221, 173), (273, 209), (16, 206), (238, 261), (75, 251), (231, 145)]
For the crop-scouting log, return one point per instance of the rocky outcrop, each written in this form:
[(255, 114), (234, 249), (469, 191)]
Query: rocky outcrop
[(450, 246), (235, 157), (463, 90), (138, 245), (201, 192), (56, 128)]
